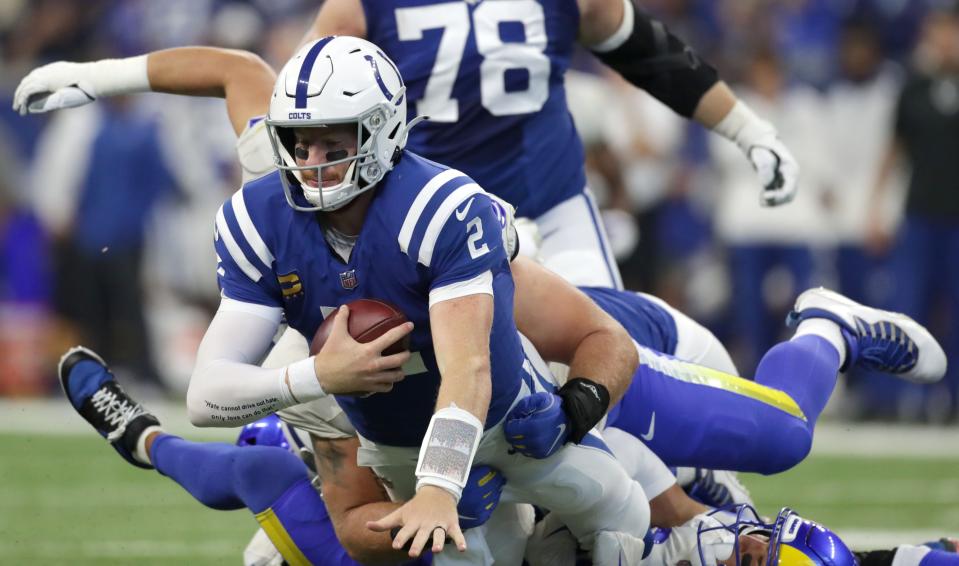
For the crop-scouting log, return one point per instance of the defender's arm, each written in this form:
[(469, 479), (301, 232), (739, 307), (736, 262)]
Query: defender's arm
[(647, 55), (241, 77), (353, 496), (567, 327)]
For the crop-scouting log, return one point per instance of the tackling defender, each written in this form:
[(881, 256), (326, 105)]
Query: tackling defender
[(297, 521)]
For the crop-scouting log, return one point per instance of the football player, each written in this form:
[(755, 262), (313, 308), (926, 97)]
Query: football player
[(490, 76), (350, 214), (297, 529)]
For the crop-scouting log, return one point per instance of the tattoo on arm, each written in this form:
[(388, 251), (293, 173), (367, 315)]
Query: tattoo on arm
[(330, 459)]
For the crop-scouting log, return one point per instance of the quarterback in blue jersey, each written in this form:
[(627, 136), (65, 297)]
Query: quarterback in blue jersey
[(490, 77), (350, 214)]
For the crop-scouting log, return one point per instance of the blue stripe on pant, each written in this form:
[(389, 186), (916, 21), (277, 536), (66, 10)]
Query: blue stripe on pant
[(690, 415)]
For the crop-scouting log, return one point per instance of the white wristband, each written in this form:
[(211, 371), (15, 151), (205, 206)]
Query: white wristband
[(742, 126), (448, 448), (118, 76), (303, 384)]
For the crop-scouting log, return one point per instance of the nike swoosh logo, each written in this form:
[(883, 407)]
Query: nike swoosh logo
[(461, 214), (559, 435), (652, 429)]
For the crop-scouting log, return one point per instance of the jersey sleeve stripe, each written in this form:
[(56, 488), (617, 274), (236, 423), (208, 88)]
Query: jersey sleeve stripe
[(235, 252), (481, 284), (439, 219), (249, 231), (419, 204)]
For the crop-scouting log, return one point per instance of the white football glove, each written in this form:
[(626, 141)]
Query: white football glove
[(67, 85), (777, 168)]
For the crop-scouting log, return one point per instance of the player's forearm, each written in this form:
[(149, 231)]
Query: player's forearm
[(228, 387), (353, 496), (225, 393), (205, 71), (461, 330), (608, 357), (362, 544), (715, 105)]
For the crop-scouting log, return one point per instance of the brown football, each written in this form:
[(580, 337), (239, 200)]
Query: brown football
[(369, 319)]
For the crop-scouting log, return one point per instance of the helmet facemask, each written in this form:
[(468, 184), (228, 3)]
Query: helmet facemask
[(365, 169), (792, 540)]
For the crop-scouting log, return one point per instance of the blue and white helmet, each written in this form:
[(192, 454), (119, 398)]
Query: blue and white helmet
[(793, 540), (338, 80)]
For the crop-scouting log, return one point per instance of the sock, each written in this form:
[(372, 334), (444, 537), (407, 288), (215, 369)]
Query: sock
[(140, 453), (829, 331), (224, 476)]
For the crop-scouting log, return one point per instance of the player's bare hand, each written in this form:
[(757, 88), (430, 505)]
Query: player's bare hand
[(347, 367), (52, 87), (429, 516)]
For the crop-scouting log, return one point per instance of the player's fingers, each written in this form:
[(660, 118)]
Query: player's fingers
[(457, 535), (386, 523), (389, 377), (439, 539), (380, 387), (404, 538), (341, 319), (419, 541), (392, 336), (394, 360)]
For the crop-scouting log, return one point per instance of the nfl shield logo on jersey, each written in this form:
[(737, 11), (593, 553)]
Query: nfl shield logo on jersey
[(348, 279)]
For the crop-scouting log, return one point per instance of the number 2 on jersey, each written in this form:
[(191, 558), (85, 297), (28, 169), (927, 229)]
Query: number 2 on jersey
[(498, 56)]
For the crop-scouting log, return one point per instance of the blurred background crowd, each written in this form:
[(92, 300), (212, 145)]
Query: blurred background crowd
[(106, 211)]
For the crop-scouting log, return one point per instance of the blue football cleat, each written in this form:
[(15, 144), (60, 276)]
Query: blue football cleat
[(878, 340), (95, 394)]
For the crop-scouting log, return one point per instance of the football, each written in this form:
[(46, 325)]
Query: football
[(369, 319)]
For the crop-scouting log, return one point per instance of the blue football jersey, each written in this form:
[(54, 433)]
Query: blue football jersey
[(427, 227), (647, 323), (489, 74)]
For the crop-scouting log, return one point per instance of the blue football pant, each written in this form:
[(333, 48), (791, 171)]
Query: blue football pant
[(271, 482), (691, 415)]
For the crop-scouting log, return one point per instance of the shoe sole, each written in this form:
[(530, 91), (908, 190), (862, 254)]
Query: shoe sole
[(927, 346)]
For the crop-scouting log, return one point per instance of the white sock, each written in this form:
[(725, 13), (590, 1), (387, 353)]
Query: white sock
[(140, 454), (826, 329)]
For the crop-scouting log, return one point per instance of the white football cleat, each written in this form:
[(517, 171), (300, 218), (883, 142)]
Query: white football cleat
[(877, 339)]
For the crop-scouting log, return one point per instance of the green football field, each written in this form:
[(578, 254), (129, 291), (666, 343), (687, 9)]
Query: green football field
[(72, 500)]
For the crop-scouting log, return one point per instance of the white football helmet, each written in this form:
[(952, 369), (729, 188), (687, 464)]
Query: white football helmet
[(338, 80)]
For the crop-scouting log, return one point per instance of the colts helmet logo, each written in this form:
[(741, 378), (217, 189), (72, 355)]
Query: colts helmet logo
[(348, 279)]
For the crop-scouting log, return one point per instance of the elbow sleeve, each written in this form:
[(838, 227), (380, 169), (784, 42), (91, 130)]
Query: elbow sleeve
[(649, 56)]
